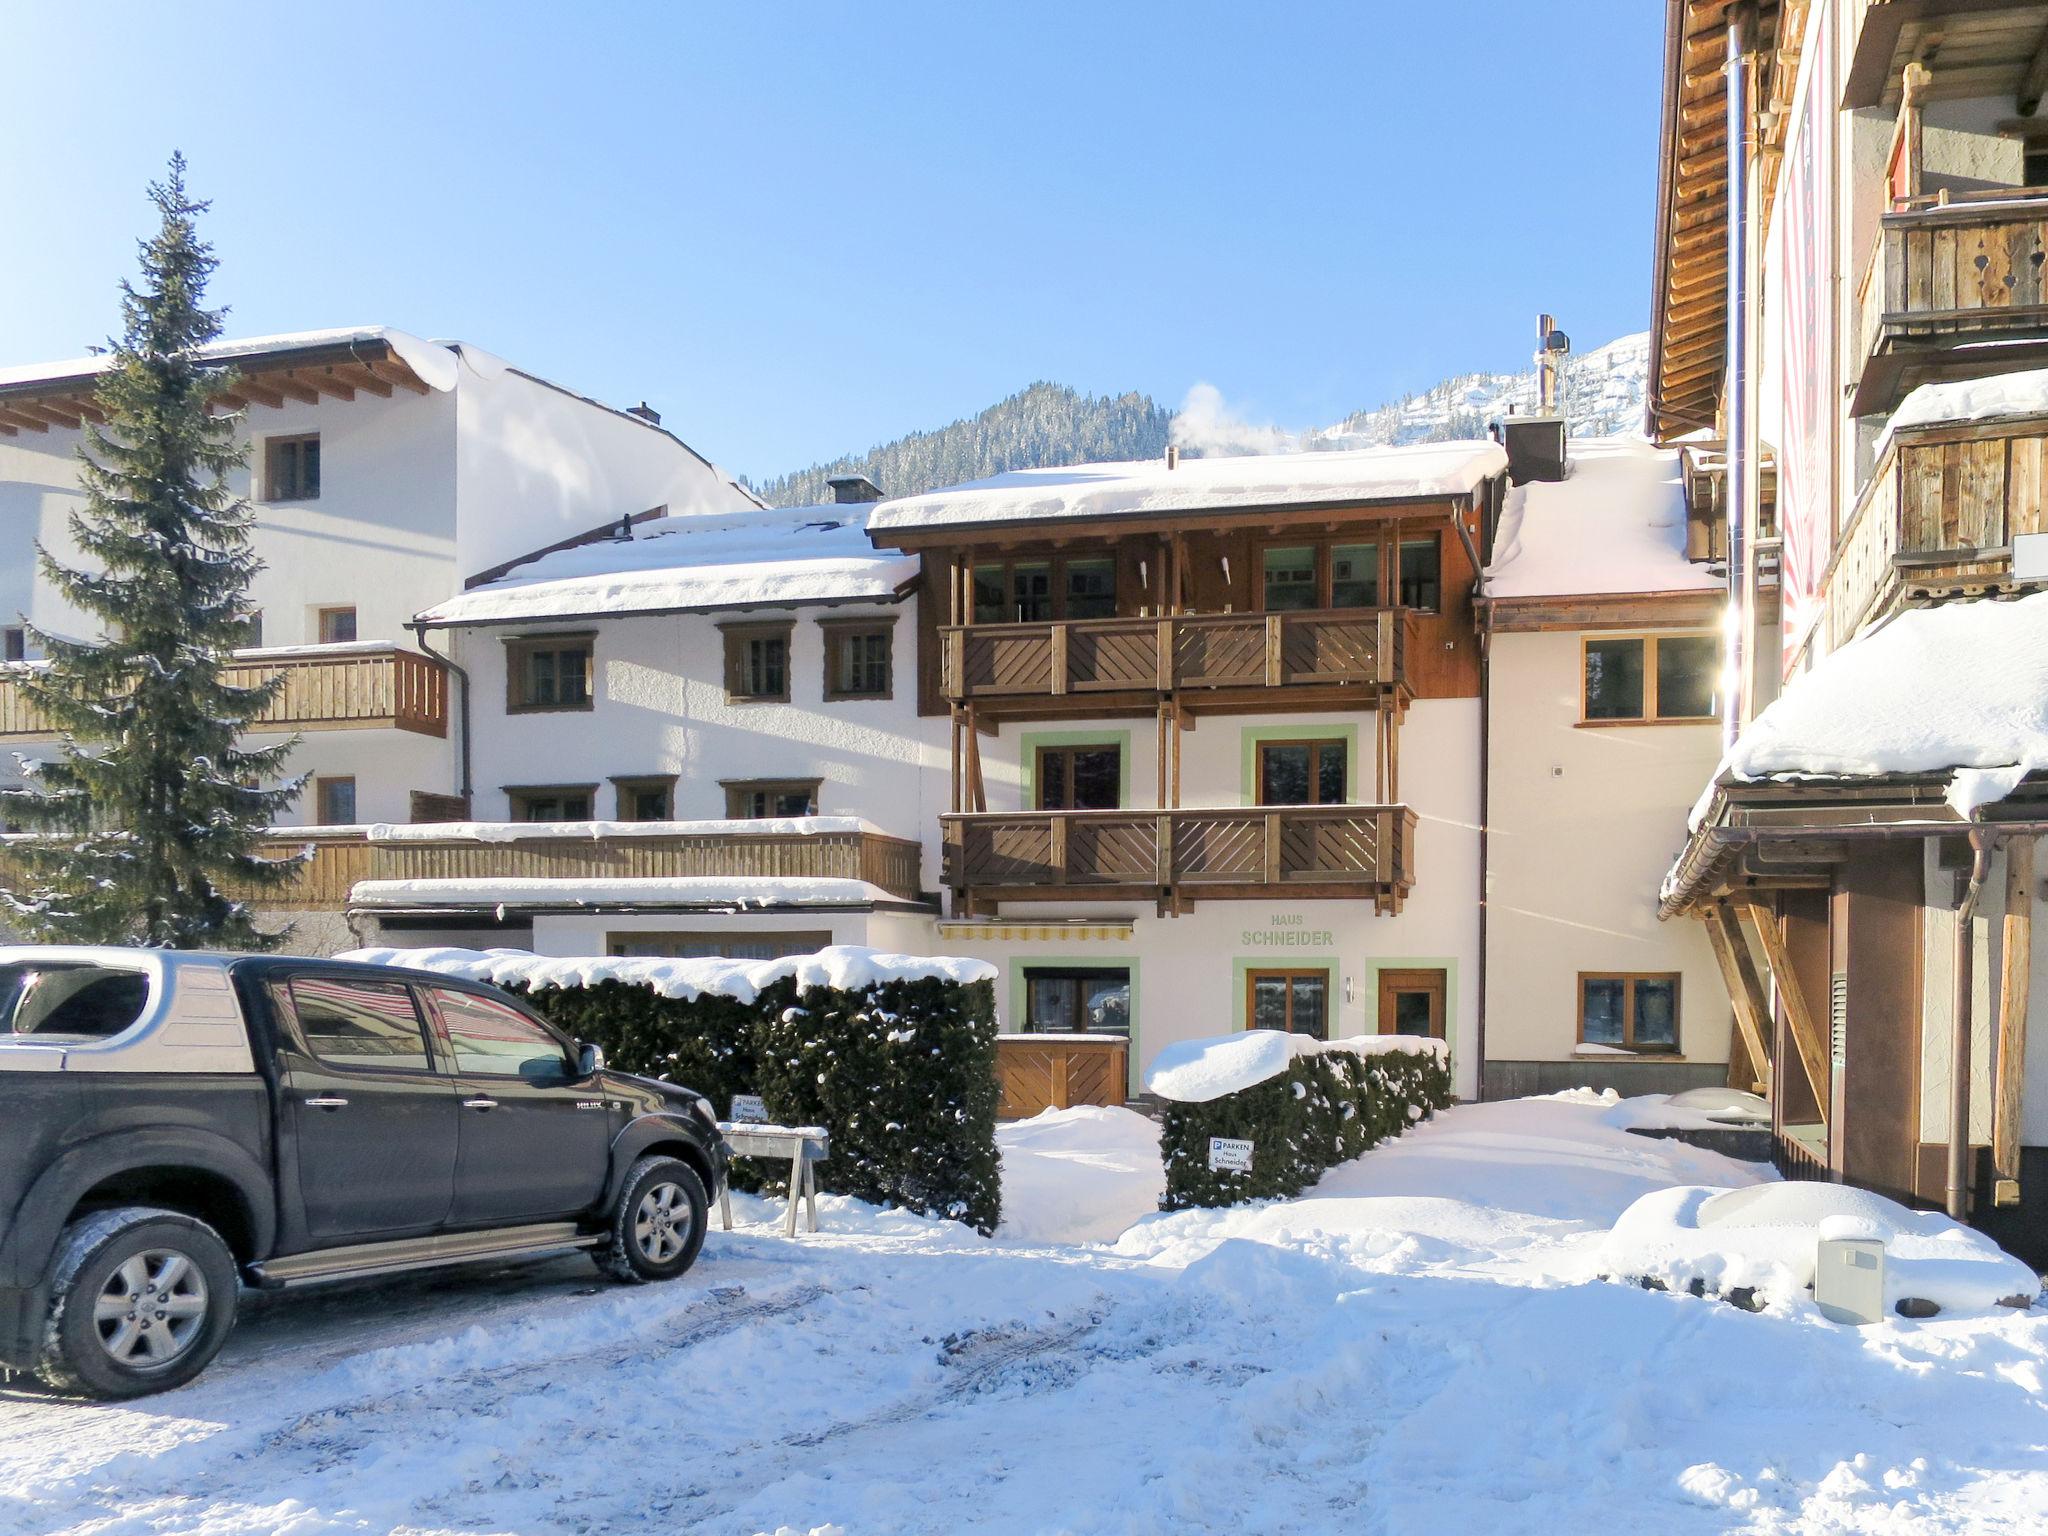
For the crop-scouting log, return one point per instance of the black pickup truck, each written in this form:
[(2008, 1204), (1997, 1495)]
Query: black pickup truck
[(180, 1124)]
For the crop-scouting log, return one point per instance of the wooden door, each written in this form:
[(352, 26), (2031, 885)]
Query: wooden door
[(1412, 1003)]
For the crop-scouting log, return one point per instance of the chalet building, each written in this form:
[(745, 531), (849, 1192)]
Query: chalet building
[(1852, 233), (383, 470)]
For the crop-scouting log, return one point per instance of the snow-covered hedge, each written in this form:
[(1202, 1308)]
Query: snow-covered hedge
[(1304, 1105), (895, 1055)]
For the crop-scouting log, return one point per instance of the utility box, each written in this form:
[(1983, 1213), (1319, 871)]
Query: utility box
[(1848, 1279)]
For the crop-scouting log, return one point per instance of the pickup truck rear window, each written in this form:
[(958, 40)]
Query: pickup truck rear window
[(69, 1002), (360, 1023)]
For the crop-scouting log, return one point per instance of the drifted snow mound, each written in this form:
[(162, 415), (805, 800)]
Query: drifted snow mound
[(1199, 1071), (1078, 1175), (1697, 1109), (1763, 1237)]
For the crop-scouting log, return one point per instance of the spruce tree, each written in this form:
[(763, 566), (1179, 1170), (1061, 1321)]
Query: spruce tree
[(151, 805)]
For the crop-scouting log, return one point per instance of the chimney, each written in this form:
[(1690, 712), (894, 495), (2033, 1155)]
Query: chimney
[(851, 490), (1535, 443), (645, 412), (1173, 456)]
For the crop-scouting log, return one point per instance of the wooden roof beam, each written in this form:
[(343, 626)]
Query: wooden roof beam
[(328, 382), (2034, 83), (51, 412), (362, 378), (262, 394), (288, 385), (15, 419), (397, 373)]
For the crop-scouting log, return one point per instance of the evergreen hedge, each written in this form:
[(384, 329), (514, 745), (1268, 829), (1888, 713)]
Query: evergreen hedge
[(1325, 1108), (901, 1074)]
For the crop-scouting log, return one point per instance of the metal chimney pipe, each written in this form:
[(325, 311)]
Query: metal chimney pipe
[(1173, 455), (1546, 368)]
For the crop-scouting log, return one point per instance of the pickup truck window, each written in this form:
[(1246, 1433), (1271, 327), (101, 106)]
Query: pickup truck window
[(70, 1002), (360, 1023), (490, 1039)]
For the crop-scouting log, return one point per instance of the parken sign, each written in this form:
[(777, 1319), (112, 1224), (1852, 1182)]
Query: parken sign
[(1228, 1154)]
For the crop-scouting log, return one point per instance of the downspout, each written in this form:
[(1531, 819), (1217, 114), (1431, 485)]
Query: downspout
[(419, 634), (1958, 1185), (1741, 22)]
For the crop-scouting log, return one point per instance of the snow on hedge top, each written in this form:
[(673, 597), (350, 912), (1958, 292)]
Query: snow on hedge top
[(1196, 1071), (2001, 395), (434, 363), (1615, 523), (1140, 487), (843, 967), (777, 556), (1961, 688)]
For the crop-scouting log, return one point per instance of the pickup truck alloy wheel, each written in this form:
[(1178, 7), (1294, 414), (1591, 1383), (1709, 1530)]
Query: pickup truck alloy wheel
[(152, 1308), (658, 1225), (656, 1220)]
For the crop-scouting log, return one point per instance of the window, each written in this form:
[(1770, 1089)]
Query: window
[(551, 802), (1091, 589), (252, 630), (756, 662), (1041, 590), (1303, 772), (1290, 578), (1412, 1003), (359, 1023), (1629, 1011), (337, 626), (291, 468), (1084, 778), (70, 1002), (13, 643), (717, 946), (1422, 563), (755, 799), (857, 657), (650, 798), (1079, 1001), (1655, 677), (490, 1040), (336, 800), (1355, 576), (1295, 1001), (545, 672)]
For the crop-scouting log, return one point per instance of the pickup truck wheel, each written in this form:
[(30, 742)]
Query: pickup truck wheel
[(141, 1301), (658, 1225)]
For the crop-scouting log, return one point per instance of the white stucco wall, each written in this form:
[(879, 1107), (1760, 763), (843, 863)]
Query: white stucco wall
[(1582, 824)]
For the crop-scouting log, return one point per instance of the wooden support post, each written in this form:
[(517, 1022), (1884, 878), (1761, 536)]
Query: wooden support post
[(1379, 756), (959, 765), (2014, 979), (1164, 662), (1162, 585), (1177, 598), (1181, 722), (1745, 995), (1272, 848), (1394, 758), (977, 790), (1273, 669), (1165, 724), (1804, 1026)]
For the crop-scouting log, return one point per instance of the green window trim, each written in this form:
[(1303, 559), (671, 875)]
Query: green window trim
[(1013, 1022), (1029, 742), (1251, 736)]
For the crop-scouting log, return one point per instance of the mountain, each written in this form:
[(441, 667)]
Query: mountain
[(1051, 424)]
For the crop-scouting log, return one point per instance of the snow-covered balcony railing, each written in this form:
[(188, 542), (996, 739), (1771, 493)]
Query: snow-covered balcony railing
[(1182, 855), (1945, 501), (1948, 274), (1201, 654), (812, 847), (326, 688)]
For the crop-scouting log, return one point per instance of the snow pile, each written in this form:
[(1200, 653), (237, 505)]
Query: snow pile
[(603, 831), (843, 967), (722, 892), (707, 560), (1198, 1071), (1960, 689), (1697, 1109), (1764, 1238), (2001, 395), (1078, 1175), (1615, 523), (1137, 488)]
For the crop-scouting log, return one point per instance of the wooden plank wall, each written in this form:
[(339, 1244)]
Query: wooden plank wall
[(1037, 1073)]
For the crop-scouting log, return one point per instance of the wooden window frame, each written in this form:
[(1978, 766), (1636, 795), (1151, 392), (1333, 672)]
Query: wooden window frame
[(516, 793), (290, 440), (1432, 979), (737, 787), (736, 636), (330, 610), (1067, 749), (1390, 579), (1056, 560), (1628, 979), (1649, 643), (810, 940), (13, 643), (837, 632), (519, 648), (624, 785), (1316, 745), (1387, 538), (1082, 974), (322, 782), (1254, 975)]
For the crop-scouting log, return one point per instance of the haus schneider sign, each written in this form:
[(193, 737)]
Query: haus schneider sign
[(1287, 930)]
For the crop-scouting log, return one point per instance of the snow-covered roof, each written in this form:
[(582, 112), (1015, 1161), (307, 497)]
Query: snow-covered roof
[(771, 557), (1148, 488), (1960, 689), (1615, 523), (722, 892), (433, 361), (1989, 399)]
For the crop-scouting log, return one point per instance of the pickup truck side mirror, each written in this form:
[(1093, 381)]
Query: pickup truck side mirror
[(589, 1060)]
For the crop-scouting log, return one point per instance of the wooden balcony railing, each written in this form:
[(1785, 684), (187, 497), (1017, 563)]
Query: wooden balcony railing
[(1941, 509), (1183, 854), (1189, 651), (326, 688)]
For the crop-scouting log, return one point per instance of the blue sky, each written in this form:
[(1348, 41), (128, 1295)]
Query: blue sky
[(798, 229)]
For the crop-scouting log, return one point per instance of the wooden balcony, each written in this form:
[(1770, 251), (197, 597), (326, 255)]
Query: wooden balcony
[(325, 688), (1948, 275), (1216, 661), (1938, 517), (1178, 856)]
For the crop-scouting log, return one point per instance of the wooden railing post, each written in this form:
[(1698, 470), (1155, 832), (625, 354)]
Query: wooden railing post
[(1059, 659), (1056, 840), (954, 683), (2008, 1103), (1274, 670), (1167, 666)]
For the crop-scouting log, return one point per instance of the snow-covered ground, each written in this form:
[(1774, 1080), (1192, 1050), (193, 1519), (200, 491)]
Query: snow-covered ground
[(1418, 1345)]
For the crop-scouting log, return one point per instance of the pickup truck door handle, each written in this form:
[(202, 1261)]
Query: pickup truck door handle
[(480, 1103), (327, 1101)]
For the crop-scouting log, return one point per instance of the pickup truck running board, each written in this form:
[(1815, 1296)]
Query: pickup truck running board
[(423, 1253)]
